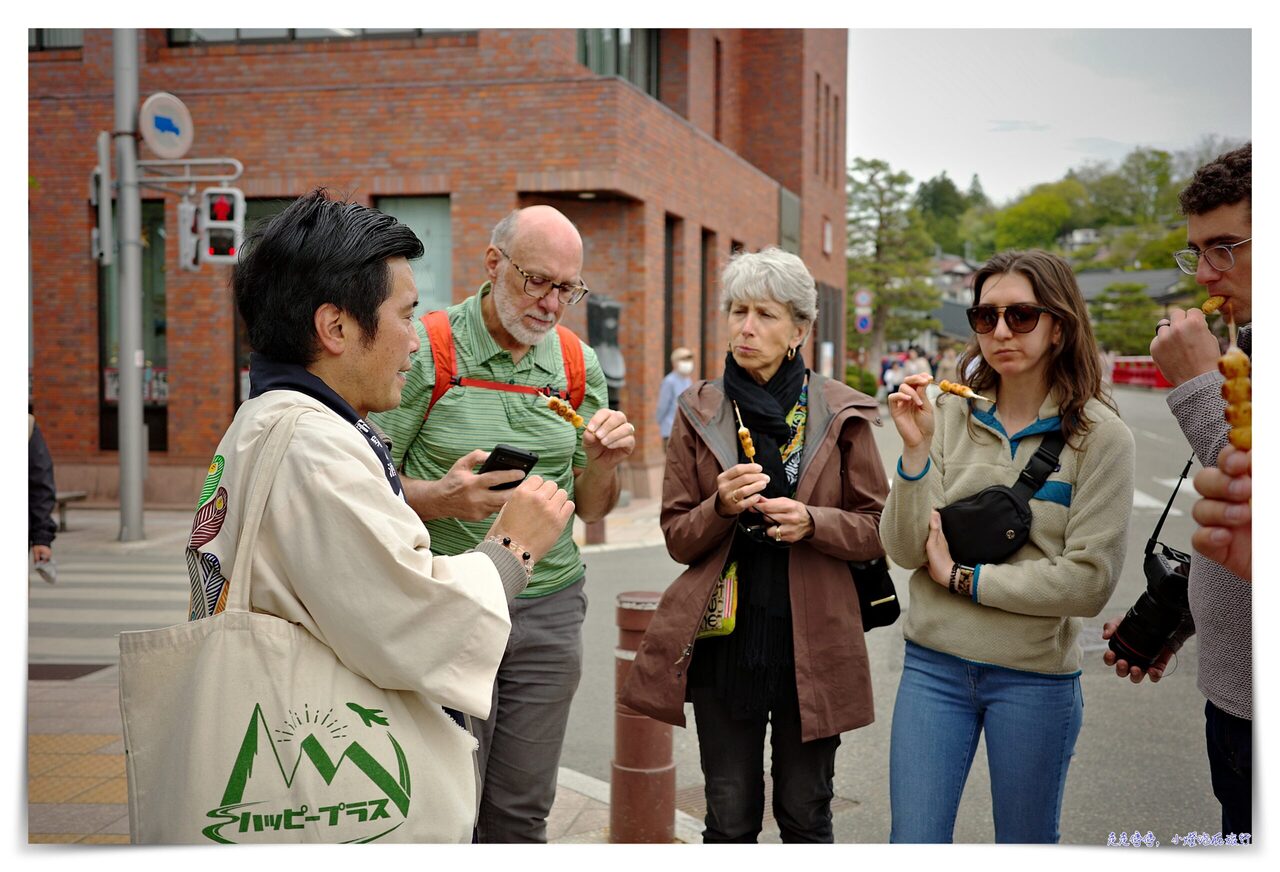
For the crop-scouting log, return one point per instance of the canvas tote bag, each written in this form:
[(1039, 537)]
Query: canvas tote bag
[(243, 727)]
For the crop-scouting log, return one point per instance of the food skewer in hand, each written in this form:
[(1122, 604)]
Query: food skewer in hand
[(744, 436), (961, 391), (1237, 390), (564, 410)]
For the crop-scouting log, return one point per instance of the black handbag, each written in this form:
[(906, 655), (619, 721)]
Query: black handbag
[(877, 597), (994, 523)]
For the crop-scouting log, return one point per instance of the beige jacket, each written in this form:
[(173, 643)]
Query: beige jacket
[(1026, 612)]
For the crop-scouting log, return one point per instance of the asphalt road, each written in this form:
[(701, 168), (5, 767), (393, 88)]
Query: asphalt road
[(1139, 762)]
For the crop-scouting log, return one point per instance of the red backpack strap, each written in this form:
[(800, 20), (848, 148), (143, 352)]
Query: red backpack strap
[(440, 334), (575, 369)]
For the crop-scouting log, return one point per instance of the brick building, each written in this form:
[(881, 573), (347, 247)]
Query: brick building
[(668, 148)]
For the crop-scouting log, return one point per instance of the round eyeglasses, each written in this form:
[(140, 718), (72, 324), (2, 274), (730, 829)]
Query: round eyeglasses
[(539, 286), (1019, 318), (1220, 257)]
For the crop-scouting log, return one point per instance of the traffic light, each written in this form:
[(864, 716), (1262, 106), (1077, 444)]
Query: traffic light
[(221, 224)]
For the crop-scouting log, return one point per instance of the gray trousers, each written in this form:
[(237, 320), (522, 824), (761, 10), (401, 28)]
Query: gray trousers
[(521, 740)]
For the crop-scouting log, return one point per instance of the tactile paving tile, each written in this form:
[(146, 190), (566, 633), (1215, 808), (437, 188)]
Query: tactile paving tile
[(68, 743)]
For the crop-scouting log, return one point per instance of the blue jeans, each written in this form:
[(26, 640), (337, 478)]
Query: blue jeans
[(1031, 722)]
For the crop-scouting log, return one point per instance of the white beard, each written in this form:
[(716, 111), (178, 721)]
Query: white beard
[(512, 320)]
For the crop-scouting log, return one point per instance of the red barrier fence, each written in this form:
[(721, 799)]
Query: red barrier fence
[(1140, 371)]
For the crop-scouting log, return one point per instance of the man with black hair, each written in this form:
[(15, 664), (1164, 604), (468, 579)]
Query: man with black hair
[(327, 294), (1218, 203)]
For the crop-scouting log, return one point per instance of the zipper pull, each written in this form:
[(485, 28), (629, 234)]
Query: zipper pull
[(687, 648)]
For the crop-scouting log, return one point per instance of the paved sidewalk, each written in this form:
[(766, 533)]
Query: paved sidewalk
[(76, 788)]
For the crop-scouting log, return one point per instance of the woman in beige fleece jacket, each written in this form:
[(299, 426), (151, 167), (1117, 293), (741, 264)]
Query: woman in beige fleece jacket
[(992, 648)]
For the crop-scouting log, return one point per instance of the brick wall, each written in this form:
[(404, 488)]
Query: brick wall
[(494, 119)]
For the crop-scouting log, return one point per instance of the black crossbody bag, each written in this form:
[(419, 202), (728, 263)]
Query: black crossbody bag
[(995, 522)]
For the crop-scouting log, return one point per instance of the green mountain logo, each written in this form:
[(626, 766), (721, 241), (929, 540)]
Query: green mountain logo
[(344, 812)]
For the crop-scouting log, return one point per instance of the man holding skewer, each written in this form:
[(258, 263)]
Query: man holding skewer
[(1218, 204)]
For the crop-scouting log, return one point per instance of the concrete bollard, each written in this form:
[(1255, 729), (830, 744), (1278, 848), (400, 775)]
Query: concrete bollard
[(642, 787)]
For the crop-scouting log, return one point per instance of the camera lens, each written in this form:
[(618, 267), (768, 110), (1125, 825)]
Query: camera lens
[(1153, 620)]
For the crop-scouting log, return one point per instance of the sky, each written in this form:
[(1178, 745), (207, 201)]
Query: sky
[(1020, 107)]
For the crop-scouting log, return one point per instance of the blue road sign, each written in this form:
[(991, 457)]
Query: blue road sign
[(864, 323)]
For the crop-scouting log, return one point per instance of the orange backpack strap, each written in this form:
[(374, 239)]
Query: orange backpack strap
[(440, 334), (575, 369)]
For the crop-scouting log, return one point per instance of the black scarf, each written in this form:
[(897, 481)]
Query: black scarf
[(753, 668)]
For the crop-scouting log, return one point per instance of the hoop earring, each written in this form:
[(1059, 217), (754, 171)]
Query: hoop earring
[(791, 353)]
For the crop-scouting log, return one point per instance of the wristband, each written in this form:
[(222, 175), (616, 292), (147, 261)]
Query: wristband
[(951, 584), (526, 560)]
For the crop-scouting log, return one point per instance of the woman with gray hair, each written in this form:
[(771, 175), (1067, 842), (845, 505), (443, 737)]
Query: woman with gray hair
[(773, 483)]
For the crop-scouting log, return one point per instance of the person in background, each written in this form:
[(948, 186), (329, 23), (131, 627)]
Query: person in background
[(947, 368), (992, 649), (782, 526), (674, 384), (41, 500)]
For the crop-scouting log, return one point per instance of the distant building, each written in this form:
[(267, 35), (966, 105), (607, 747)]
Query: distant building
[(669, 148)]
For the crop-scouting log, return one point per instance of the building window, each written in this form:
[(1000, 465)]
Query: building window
[(39, 39), (626, 52), (835, 143), (202, 36), (817, 124), (155, 347), (428, 217), (670, 241), (707, 308)]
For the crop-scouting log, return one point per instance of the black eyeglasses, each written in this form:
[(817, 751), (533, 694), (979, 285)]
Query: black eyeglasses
[(1020, 317), (1220, 257), (538, 286)]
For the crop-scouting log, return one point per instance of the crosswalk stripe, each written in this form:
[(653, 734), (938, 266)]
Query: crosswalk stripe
[(1144, 501)]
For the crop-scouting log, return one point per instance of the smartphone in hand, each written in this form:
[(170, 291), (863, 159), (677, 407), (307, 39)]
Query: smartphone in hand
[(509, 457)]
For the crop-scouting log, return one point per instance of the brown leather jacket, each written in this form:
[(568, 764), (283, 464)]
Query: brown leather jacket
[(843, 485)]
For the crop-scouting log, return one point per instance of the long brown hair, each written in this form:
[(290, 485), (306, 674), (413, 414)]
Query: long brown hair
[(1074, 372)]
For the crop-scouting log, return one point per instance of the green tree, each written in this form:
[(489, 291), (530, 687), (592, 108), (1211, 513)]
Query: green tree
[(1035, 221), (975, 196), (1148, 172), (1123, 316), (941, 204), (888, 255)]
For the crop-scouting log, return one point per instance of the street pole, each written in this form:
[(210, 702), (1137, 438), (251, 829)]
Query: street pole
[(129, 285)]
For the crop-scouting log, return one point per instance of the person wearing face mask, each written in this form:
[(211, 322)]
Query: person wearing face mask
[(676, 382), (992, 638)]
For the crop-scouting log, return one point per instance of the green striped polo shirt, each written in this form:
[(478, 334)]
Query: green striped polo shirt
[(467, 418)]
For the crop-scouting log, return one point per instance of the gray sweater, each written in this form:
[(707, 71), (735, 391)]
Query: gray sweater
[(1221, 601)]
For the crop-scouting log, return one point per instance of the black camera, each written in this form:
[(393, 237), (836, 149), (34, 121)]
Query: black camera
[(1160, 611)]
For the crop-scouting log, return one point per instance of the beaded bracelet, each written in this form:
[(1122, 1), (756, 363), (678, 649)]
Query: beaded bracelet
[(525, 558)]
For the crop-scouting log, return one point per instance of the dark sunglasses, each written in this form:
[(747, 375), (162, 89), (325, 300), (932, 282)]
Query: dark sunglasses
[(1020, 317)]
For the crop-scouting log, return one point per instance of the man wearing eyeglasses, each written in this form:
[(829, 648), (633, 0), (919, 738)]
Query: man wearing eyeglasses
[(1218, 204), (505, 336)]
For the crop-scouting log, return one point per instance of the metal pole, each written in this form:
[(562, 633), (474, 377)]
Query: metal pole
[(642, 785), (132, 447)]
